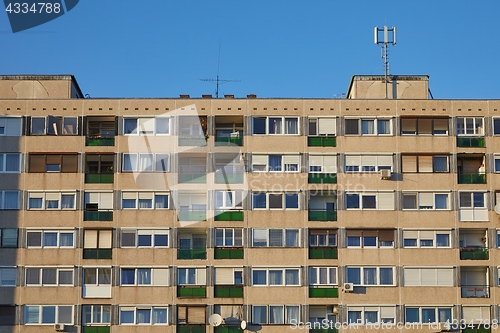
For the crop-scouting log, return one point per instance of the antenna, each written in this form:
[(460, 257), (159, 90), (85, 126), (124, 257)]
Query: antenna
[(217, 80), (385, 54)]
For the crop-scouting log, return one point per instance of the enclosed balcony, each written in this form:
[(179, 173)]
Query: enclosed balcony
[(471, 142), (229, 131), (191, 329), (99, 168), (470, 132), (473, 244), (323, 292), (471, 169), (98, 206), (322, 169), (192, 169), (228, 291), (474, 282), (192, 291), (191, 206), (229, 168), (192, 244), (322, 206), (322, 132), (96, 329), (323, 244), (193, 131), (229, 205), (100, 131), (317, 316)]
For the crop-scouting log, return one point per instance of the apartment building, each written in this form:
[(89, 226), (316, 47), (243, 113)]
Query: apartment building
[(120, 215)]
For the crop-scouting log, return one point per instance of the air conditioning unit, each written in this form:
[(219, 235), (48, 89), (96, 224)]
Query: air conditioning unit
[(348, 287), (59, 327), (385, 174)]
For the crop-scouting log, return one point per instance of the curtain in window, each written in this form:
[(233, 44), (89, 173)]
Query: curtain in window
[(145, 203), (104, 275), (367, 127), (275, 125), (440, 164), (143, 316), (291, 277), (49, 239), (128, 276), (292, 237), (276, 315), (275, 162), (383, 126), (67, 201), (291, 126), (49, 276), (106, 313), (128, 203), (90, 276), (442, 240), (126, 316), (259, 277), (444, 315), (292, 313), (354, 316), (323, 275), (428, 315), (275, 277), (35, 203), (12, 162), (32, 314), (65, 314), (386, 276), (143, 276), (146, 162), (161, 201), (276, 237), (51, 204), (371, 316), (370, 275), (259, 315), (159, 316), (11, 200)]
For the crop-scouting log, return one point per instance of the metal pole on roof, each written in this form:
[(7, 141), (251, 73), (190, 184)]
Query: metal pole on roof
[(385, 54)]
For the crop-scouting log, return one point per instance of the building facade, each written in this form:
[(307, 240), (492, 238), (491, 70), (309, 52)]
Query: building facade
[(276, 214)]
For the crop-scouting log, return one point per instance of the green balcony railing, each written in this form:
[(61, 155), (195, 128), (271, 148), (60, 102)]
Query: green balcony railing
[(323, 330), (228, 253), (474, 254), (101, 142), (97, 253), (192, 215), (98, 216), (197, 141), (190, 254), (227, 329), (191, 291), (229, 141), (190, 329), (323, 253), (478, 329), (322, 178), (470, 142), (322, 215), (193, 178), (95, 329), (323, 292), (229, 178), (472, 178), (236, 215), (321, 141), (228, 291), (99, 178)]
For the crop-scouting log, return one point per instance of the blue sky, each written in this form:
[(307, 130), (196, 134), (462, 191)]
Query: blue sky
[(161, 48)]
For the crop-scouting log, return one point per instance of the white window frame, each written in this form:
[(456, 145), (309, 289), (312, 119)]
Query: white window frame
[(154, 278), (49, 196), (4, 276), (283, 271), (319, 131), (426, 235), (283, 127), (325, 233), (143, 195), (433, 127), (362, 243), (496, 158), (233, 203), (286, 320), (493, 126), (420, 196), (377, 269), (316, 271), (269, 236), (418, 163), (40, 310), (436, 313), (146, 307), (3, 162), (225, 237), (40, 277), (138, 120), (93, 309), (381, 318), (440, 274), (155, 157), (283, 200), (479, 213), (325, 166), (146, 232), (44, 231), (3, 205), (229, 278), (200, 276), (474, 120), (98, 273), (360, 161), (60, 122), (375, 126), (286, 161), (8, 123), (378, 198)]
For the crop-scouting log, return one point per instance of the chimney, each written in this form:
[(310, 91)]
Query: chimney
[(228, 96), (184, 96), (251, 96), (206, 96)]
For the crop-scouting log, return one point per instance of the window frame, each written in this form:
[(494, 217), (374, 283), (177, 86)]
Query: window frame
[(420, 308), (317, 119), (3, 162), (418, 164), (283, 271), (474, 119), (40, 276), (138, 308), (154, 161), (417, 201), (282, 125), (286, 320), (268, 237), (3, 280), (362, 237), (6, 123), (377, 276), (283, 200), (283, 165), (418, 240), (92, 314), (326, 233), (361, 203), (364, 309), (233, 237), (3, 199), (198, 273), (60, 120), (3, 238), (317, 273), (432, 128), (58, 233), (138, 198), (136, 132), (44, 200), (136, 283), (145, 231), (360, 167), (375, 126), (98, 276), (40, 314)]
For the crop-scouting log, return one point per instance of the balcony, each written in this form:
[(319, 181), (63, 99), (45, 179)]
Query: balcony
[(474, 253), (475, 291), (99, 178), (322, 215), (100, 142), (472, 178), (233, 291), (470, 142), (192, 140), (323, 292), (322, 252), (95, 329), (195, 178), (321, 141), (229, 178), (97, 253), (190, 254), (227, 329), (229, 216), (192, 291), (191, 215), (228, 141), (190, 329), (228, 253), (478, 329), (97, 216), (322, 178)]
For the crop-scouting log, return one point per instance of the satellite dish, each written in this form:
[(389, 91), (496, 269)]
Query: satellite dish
[(243, 324), (497, 209), (215, 319)]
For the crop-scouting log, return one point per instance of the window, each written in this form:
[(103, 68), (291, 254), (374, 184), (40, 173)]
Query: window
[(192, 126), (496, 126), (192, 276), (275, 314), (98, 201), (275, 200), (371, 314), (51, 200), (51, 125), (8, 237), (99, 163), (366, 200), (145, 200), (49, 276), (11, 126), (370, 238), (323, 276), (497, 162), (319, 313), (229, 237), (191, 314), (470, 126), (427, 238), (97, 244), (476, 314), (228, 276), (368, 126), (275, 277), (322, 126), (8, 276), (275, 125), (96, 314), (426, 200), (50, 238), (323, 163), (368, 163), (473, 206), (10, 163), (428, 277), (226, 200), (143, 315), (370, 276), (48, 314), (146, 162), (147, 126), (275, 237), (96, 282), (41, 163), (275, 163), (327, 238), (424, 126), (144, 276), (425, 163), (9, 200), (144, 238), (7, 315), (231, 314), (427, 315)]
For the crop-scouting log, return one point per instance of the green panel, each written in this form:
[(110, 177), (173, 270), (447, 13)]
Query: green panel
[(97, 253), (193, 178), (323, 330), (96, 329), (481, 254), (326, 253), (191, 215), (321, 141), (227, 329), (191, 254), (98, 216), (192, 141), (190, 329), (188, 291), (228, 253), (471, 178), (228, 291), (479, 329), (331, 292), (322, 178), (99, 178), (229, 141), (322, 215), (229, 216), (100, 142), (470, 142), (231, 178)]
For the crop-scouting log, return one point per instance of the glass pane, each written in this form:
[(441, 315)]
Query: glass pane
[(49, 239), (352, 201), (37, 126), (412, 315), (162, 125), (443, 240), (161, 201), (65, 315), (161, 240), (48, 314), (386, 276), (353, 275), (66, 277), (159, 316), (383, 126), (276, 201), (367, 127), (128, 276), (259, 125), (291, 201), (275, 126), (130, 126), (126, 316)]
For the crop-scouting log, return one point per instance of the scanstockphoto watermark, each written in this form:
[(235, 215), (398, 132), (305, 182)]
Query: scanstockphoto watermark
[(330, 324)]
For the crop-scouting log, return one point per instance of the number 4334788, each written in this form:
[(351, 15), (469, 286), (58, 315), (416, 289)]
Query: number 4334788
[(35, 8)]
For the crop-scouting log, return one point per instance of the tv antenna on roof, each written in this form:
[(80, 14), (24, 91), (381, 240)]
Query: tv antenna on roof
[(217, 80), (385, 54)]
